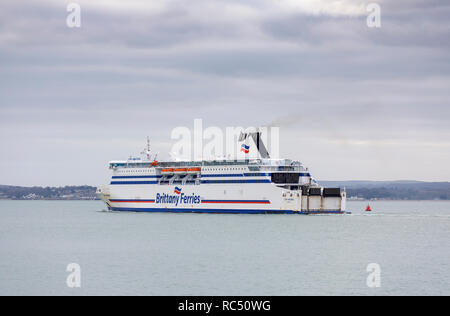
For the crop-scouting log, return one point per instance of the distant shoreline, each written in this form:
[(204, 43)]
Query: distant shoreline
[(356, 191), (84, 192)]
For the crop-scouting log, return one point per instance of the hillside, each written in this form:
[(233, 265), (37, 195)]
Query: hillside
[(48, 193), (386, 190), (394, 190)]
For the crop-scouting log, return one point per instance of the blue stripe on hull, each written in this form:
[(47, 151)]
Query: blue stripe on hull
[(200, 210), (202, 181), (326, 212), (234, 181), (134, 182), (222, 175), (137, 177)]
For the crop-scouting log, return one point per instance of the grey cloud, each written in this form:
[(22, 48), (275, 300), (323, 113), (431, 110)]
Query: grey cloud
[(335, 87)]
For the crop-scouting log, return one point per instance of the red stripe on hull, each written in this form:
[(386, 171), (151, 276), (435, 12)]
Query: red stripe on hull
[(234, 202), (130, 201)]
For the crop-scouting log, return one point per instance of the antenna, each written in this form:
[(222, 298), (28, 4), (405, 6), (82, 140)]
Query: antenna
[(146, 150)]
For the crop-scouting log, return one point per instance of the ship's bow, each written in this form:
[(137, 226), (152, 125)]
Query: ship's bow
[(103, 194)]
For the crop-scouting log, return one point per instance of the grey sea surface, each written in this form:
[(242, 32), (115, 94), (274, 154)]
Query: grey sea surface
[(212, 254)]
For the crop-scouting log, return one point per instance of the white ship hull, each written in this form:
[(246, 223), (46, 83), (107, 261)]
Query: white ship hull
[(219, 194), (220, 186)]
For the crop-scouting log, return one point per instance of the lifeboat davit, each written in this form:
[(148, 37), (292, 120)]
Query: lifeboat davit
[(368, 209)]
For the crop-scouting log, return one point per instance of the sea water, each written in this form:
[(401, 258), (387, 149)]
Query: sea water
[(211, 254)]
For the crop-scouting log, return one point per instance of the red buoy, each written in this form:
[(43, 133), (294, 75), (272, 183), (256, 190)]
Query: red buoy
[(368, 209)]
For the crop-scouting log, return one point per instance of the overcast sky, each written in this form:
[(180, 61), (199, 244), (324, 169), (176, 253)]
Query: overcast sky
[(351, 102)]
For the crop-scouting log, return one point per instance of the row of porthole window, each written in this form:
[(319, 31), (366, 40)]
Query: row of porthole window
[(128, 171), (205, 169)]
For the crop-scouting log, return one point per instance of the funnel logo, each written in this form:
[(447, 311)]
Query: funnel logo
[(245, 148), (177, 190)]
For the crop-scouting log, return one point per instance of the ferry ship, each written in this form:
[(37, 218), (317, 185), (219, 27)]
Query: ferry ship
[(251, 186)]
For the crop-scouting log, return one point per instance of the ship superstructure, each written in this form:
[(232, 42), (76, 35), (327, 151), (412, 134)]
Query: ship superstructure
[(262, 185)]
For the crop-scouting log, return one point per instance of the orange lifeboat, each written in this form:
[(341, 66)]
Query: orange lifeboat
[(167, 171), (194, 170), (180, 170)]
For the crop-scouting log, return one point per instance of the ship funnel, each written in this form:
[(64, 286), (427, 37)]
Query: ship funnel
[(256, 136)]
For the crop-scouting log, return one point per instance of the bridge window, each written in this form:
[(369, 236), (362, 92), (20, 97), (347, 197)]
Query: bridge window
[(285, 178)]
